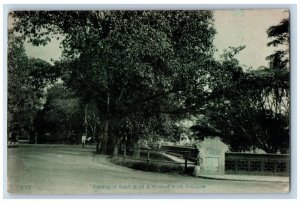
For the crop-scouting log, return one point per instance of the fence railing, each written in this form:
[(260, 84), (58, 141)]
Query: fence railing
[(153, 156), (235, 163), (181, 151), (246, 163)]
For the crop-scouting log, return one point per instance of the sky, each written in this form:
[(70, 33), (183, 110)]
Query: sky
[(247, 27), (234, 28)]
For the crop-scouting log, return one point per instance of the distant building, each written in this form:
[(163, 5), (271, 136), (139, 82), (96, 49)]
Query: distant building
[(184, 139)]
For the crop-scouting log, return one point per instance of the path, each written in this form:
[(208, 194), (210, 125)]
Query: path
[(178, 159), (58, 169)]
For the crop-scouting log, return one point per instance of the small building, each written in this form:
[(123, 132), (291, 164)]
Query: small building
[(184, 139), (212, 155)]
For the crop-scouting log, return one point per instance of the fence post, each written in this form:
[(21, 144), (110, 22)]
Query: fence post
[(262, 166), (185, 162), (249, 165), (235, 166), (124, 155), (288, 167), (148, 156)]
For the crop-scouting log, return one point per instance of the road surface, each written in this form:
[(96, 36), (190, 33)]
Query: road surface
[(63, 169)]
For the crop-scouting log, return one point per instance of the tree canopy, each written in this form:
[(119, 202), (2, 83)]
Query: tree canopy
[(128, 62), (132, 74), (250, 109), (27, 78)]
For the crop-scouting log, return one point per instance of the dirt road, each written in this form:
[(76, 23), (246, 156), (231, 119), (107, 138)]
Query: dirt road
[(59, 169)]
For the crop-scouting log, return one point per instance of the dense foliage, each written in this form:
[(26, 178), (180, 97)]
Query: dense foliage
[(27, 78), (130, 75), (250, 109)]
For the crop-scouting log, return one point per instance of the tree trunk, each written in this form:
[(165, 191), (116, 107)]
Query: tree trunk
[(105, 138), (110, 144), (85, 120), (97, 145), (136, 150), (105, 135)]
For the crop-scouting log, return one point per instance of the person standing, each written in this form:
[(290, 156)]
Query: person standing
[(83, 139)]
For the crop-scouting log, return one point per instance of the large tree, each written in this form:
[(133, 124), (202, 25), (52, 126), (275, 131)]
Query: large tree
[(61, 118), (27, 78), (129, 62), (250, 109), (279, 35)]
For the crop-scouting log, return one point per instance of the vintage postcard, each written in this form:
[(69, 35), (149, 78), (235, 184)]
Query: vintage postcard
[(148, 101)]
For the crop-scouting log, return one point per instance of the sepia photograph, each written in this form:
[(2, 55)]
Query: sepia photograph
[(148, 101)]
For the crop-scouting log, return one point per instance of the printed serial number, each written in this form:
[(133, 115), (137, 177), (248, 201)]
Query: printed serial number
[(25, 187)]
